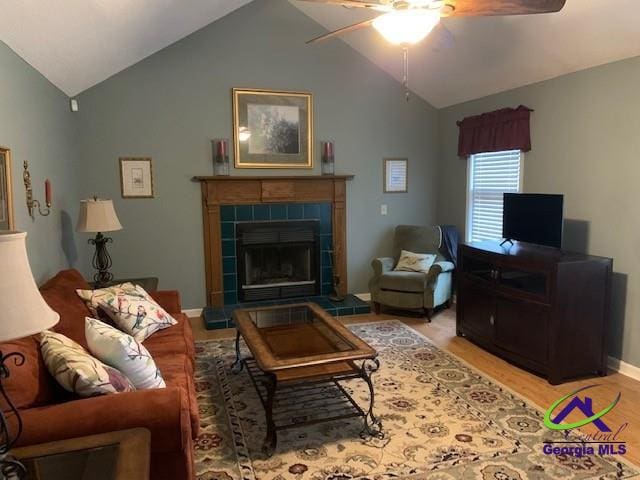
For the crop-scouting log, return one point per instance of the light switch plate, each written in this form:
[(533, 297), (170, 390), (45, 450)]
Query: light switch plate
[(383, 209)]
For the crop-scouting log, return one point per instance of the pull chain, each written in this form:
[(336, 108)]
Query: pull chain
[(405, 77)]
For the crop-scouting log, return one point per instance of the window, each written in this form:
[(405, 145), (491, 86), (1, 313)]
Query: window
[(489, 176)]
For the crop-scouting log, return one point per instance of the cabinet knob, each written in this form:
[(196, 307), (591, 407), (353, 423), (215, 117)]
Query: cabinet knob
[(491, 320)]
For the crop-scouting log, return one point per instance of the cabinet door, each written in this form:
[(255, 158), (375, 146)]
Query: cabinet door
[(477, 306), (521, 327)]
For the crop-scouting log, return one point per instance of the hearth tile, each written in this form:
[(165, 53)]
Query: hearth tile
[(345, 311), (311, 211), (213, 313), (230, 298), (327, 274), (332, 311), (229, 281), (229, 265), (325, 227), (228, 248), (362, 309), (261, 212), (228, 230), (219, 325), (325, 242), (349, 301), (278, 212), (327, 289), (325, 212), (295, 212), (244, 213), (228, 213), (325, 259)]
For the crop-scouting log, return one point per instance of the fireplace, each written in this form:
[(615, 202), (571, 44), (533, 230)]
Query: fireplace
[(278, 259)]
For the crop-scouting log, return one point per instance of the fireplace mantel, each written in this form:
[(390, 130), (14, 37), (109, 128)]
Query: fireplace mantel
[(243, 190)]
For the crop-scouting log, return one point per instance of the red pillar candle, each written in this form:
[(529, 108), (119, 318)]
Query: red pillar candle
[(221, 149), (47, 192)]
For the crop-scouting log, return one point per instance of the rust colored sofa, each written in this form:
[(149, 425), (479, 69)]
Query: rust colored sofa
[(49, 413)]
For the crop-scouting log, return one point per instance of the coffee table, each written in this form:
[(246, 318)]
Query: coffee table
[(299, 356)]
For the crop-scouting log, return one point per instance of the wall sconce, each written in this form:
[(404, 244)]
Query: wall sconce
[(31, 203)]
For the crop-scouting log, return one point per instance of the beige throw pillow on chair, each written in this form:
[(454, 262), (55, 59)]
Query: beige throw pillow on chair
[(415, 262)]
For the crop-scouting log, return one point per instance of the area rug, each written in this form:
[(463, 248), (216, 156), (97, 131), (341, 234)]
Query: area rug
[(442, 420)]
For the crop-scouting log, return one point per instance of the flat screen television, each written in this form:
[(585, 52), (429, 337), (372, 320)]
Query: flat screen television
[(533, 218)]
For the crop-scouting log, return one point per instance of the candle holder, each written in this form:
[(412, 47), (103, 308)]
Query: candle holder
[(220, 156), (327, 158), (32, 203)]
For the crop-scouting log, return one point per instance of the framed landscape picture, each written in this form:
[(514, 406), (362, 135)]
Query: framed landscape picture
[(6, 204), (272, 129), (136, 177)]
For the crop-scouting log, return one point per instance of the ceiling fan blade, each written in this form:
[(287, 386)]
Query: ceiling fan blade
[(504, 7), (441, 38), (340, 31), (351, 3)]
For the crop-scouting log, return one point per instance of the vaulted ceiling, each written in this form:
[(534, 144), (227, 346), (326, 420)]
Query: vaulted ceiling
[(78, 43)]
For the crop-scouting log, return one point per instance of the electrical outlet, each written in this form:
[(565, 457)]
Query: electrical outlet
[(383, 209)]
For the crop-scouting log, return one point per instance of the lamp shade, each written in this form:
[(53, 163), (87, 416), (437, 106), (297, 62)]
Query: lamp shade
[(23, 311), (97, 215)]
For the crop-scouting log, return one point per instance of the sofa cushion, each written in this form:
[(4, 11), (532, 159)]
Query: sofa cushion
[(28, 385), (175, 340), (122, 351), (404, 281), (77, 371), (60, 294), (177, 371)]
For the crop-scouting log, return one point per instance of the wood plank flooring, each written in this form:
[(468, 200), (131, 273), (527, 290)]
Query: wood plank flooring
[(441, 331)]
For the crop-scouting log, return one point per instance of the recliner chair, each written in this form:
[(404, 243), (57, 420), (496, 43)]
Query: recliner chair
[(412, 290)]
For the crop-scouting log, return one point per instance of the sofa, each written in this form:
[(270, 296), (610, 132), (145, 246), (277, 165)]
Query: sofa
[(50, 413), (412, 290)]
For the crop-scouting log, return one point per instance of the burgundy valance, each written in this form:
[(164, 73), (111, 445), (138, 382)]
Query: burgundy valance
[(504, 129)]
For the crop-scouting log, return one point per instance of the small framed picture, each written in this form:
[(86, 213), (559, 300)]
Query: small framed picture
[(396, 172), (136, 177), (6, 206)]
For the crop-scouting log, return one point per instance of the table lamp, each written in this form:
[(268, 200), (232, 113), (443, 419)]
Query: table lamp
[(23, 312), (97, 216)]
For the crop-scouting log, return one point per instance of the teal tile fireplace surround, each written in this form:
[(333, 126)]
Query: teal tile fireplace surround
[(221, 317)]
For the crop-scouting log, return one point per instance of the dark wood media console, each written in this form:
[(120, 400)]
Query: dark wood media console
[(541, 308)]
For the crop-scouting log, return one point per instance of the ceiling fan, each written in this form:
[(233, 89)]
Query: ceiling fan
[(408, 22)]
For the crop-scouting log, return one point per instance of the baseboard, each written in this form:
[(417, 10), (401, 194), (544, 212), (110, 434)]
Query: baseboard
[(624, 368), (193, 312), (365, 297)]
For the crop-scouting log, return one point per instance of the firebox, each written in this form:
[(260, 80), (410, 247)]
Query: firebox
[(278, 259)]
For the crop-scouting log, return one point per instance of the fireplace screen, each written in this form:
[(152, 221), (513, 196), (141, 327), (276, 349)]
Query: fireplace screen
[(278, 259)]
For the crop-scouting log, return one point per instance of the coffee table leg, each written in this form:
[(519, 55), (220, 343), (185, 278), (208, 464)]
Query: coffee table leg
[(372, 425), (236, 367), (271, 439)]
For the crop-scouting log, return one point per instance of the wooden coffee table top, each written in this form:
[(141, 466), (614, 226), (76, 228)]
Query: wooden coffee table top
[(300, 341)]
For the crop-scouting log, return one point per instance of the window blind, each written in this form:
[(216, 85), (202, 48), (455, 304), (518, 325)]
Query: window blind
[(490, 175)]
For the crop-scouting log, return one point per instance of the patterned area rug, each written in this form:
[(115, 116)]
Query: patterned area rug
[(442, 420)]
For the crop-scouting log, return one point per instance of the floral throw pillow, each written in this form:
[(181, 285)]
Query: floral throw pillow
[(136, 313), (415, 262), (123, 352), (93, 297), (77, 371)]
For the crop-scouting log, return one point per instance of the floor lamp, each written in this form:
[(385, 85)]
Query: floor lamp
[(23, 312)]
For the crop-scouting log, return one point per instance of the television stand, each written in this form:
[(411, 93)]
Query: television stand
[(541, 308)]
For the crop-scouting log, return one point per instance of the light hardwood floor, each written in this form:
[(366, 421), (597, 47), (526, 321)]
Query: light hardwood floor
[(441, 331)]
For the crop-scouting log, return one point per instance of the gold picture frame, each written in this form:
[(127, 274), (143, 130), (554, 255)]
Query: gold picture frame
[(7, 219), (272, 128), (136, 177), (395, 173)]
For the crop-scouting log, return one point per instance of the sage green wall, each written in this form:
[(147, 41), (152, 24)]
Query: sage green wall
[(172, 104), (586, 145), (36, 125)]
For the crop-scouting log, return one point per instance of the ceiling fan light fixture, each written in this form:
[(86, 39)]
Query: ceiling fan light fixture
[(408, 26)]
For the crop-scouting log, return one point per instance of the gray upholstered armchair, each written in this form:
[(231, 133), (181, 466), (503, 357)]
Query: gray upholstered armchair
[(412, 290)]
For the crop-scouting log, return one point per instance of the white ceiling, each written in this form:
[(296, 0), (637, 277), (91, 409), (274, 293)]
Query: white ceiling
[(79, 43), (491, 55)]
